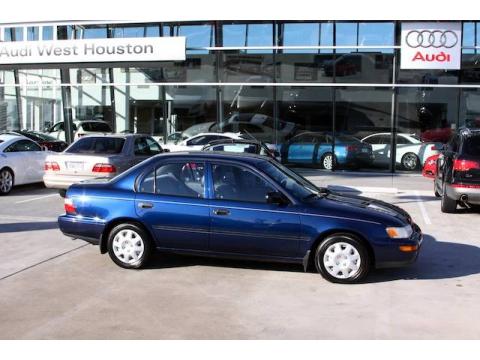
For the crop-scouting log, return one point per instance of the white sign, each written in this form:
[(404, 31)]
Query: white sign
[(431, 45), (93, 50)]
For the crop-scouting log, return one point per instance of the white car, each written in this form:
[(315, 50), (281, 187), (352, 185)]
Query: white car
[(21, 162), (80, 128), (411, 152), (197, 142)]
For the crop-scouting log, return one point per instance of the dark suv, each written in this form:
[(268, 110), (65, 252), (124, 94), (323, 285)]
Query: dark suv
[(458, 171)]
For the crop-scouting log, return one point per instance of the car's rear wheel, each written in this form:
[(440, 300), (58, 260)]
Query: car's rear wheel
[(342, 258), (448, 205), (410, 161), (129, 246), (6, 181)]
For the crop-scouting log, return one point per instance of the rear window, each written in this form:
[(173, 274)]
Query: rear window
[(97, 145), (96, 127), (472, 146)]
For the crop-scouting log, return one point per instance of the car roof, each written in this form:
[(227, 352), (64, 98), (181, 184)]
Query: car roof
[(226, 134), (122, 136)]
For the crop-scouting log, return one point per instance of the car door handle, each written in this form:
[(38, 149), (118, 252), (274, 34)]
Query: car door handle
[(145, 205), (221, 212)]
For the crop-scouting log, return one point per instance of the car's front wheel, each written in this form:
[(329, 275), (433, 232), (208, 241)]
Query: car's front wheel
[(129, 246), (342, 258), (6, 181)]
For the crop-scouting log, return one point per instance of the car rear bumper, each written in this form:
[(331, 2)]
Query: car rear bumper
[(455, 191), (90, 230), (57, 181)]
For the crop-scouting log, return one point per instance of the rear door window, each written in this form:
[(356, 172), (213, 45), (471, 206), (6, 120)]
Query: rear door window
[(23, 145), (97, 145), (145, 146), (183, 179)]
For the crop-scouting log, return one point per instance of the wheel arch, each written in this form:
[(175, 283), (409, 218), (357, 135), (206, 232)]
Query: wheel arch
[(110, 225), (326, 234)]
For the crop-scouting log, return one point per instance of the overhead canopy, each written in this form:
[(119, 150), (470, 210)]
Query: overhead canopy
[(203, 10)]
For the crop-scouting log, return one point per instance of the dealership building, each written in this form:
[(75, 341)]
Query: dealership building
[(299, 85)]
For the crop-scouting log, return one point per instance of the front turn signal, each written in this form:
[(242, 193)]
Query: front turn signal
[(408, 248)]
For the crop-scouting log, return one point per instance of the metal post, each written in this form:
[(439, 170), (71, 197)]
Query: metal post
[(111, 88), (66, 93), (18, 90)]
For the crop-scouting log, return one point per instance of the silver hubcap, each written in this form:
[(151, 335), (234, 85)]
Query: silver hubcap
[(410, 162), (6, 181), (342, 260), (128, 246), (327, 162)]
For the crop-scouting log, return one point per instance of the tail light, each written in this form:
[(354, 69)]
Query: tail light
[(352, 148), (51, 165), (465, 165), (104, 168), (69, 206)]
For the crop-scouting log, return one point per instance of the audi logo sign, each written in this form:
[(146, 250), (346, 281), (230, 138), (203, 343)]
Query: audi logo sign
[(431, 45)]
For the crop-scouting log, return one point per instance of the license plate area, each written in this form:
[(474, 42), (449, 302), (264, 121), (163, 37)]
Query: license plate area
[(74, 165)]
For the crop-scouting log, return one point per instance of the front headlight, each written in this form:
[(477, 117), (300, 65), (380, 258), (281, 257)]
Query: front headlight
[(400, 232)]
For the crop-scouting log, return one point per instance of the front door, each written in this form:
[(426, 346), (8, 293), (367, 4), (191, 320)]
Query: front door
[(171, 201), (242, 222)]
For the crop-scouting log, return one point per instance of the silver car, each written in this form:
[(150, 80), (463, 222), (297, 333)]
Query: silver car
[(97, 156)]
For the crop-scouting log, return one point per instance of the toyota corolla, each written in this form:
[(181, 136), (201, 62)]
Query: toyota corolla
[(237, 206)]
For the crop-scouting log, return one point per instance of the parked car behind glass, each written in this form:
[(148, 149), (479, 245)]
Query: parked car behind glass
[(316, 148), (97, 156), (80, 128)]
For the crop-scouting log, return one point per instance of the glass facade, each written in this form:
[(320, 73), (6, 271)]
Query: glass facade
[(330, 95)]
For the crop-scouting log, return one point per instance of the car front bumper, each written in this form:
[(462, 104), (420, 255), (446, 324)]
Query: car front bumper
[(391, 255)]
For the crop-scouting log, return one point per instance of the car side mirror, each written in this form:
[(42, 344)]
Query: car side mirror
[(277, 198), (166, 150), (439, 147)]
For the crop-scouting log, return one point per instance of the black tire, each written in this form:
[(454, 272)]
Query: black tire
[(6, 174), (363, 268), (142, 236), (437, 194), (410, 161), (323, 162), (448, 205), (62, 193)]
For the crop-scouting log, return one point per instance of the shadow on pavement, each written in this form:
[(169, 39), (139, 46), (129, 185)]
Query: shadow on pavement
[(27, 226), (437, 260)]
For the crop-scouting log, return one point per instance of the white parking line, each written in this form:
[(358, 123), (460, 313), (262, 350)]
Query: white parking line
[(37, 198), (426, 218)]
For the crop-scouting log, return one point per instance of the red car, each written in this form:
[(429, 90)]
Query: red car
[(430, 167)]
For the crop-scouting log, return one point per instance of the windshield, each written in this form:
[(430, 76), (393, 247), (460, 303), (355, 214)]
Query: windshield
[(296, 184), (97, 145), (39, 136), (96, 127)]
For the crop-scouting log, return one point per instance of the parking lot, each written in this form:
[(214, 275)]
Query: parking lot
[(53, 287)]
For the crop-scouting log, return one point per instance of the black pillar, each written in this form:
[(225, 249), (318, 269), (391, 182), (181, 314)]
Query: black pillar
[(66, 92)]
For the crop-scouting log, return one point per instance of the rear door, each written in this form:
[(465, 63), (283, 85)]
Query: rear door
[(29, 159), (171, 200)]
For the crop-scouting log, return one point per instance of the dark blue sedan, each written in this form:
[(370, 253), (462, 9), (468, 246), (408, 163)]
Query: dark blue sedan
[(237, 206)]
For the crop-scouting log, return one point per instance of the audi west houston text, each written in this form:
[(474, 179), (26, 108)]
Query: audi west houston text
[(237, 206)]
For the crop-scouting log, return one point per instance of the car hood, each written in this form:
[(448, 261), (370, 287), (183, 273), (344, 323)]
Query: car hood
[(362, 208)]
